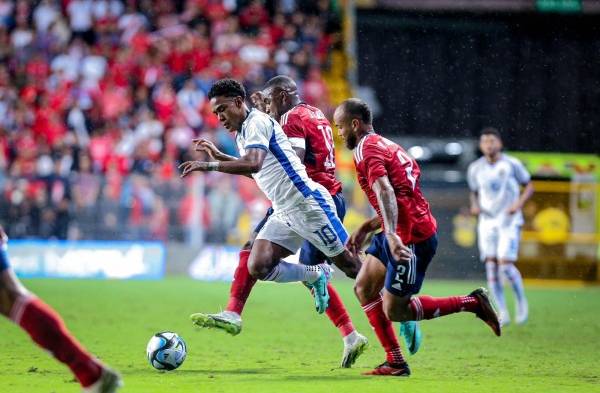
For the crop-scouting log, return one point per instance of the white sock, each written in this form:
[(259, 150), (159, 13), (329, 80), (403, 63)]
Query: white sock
[(292, 272), (512, 274), (495, 285), (232, 314), (350, 337)]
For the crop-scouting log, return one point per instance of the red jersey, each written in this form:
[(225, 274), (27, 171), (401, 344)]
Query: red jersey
[(376, 156), (308, 128)]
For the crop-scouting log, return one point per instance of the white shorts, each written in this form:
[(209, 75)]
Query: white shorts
[(314, 219), (497, 240)]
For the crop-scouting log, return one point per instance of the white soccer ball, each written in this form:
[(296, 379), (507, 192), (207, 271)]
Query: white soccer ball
[(166, 351)]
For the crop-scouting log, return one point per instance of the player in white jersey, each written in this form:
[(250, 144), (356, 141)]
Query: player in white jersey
[(495, 181), (303, 209)]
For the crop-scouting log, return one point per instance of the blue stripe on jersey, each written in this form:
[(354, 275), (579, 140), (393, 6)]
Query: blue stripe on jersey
[(287, 167), (257, 146), (305, 190)]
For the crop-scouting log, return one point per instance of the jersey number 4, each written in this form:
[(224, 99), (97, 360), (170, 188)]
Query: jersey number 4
[(328, 137)]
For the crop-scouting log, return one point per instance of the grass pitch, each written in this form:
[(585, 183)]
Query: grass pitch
[(286, 347)]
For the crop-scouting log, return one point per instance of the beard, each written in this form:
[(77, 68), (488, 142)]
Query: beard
[(350, 141)]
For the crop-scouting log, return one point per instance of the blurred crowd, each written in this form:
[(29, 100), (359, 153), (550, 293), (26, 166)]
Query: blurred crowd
[(99, 100)]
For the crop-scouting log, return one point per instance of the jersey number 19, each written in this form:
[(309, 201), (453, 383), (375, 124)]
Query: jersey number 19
[(328, 137)]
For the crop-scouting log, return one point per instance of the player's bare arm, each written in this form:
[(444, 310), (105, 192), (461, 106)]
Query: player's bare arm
[(525, 195), (246, 165), (358, 237), (386, 199), (204, 145), (474, 197)]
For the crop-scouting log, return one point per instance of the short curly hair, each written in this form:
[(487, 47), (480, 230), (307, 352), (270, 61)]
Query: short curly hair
[(227, 88), (357, 109)]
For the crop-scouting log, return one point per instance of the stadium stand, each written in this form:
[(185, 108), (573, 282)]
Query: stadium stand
[(99, 101)]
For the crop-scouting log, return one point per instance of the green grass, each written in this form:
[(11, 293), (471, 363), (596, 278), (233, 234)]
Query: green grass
[(286, 347)]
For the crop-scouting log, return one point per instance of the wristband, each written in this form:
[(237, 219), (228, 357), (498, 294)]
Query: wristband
[(212, 166)]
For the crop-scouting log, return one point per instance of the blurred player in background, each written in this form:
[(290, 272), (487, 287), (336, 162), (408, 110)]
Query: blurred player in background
[(311, 137), (47, 329), (398, 256), (495, 181)]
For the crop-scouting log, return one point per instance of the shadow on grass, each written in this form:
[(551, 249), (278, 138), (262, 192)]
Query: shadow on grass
[(323, 378), (239, 371), (275, 374)]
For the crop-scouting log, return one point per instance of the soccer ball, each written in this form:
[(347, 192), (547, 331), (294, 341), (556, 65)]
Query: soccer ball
[(166, 351)]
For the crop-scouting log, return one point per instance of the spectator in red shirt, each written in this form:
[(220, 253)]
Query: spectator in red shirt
[(253, 16), (119, 82), (115, 100)]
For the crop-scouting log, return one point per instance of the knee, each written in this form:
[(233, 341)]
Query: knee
[(258, 268), (364, 292), (359, 291)]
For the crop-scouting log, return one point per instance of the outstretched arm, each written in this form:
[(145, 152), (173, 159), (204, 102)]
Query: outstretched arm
[(212, 150), (246, 165)]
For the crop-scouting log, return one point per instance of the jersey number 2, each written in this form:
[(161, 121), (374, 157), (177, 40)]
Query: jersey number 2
[(328, 137)]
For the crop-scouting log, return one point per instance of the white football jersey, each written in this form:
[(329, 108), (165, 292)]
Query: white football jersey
[(497, 185), (283, 177)]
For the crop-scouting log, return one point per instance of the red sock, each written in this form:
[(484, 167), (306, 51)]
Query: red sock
[(384, 330), (336, 311), (427, 307), (241, 286), (48, 330)]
